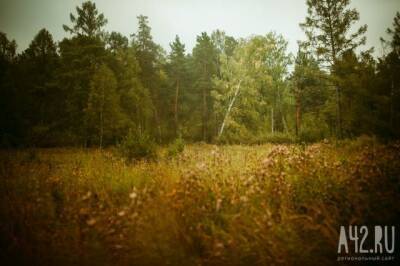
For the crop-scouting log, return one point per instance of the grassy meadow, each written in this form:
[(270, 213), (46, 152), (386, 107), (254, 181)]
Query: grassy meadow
[(209, 205)]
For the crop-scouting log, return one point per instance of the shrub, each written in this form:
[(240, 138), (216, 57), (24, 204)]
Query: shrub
[(278, 138), (137, 146), (311, 135), (313, 129), (176, 147), (250, 139)]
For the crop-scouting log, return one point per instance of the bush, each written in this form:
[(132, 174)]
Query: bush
[(137, 146), (176, 147), (278, 138), (313, 129), (250, 139), (359, 143), (311, 135)]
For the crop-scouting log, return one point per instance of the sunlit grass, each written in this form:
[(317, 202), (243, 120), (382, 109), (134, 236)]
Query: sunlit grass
[(224, 205)]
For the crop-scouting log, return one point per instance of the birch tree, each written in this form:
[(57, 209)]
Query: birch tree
[(103, 111), (257, 66)]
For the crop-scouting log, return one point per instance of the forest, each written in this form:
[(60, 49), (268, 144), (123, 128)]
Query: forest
[(94, 87), (114, 151)]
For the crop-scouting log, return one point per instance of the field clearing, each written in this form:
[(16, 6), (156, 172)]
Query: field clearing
[(210, 205)]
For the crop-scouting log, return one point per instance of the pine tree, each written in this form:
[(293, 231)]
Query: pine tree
[(388, 75), (205, 61), (327, 27), (147, 54), (177, 70), (80, 56), (88, 21), (38, 63)]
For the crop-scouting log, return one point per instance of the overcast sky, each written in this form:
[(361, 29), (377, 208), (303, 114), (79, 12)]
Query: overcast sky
[(22, 19)]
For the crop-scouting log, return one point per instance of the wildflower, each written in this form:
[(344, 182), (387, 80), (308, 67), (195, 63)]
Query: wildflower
[(201, 166), (83, 211), (218, 205), (243, 198), (87, 196), (219, 245), (91, 222), (121, 213), (133, 195), (266, 161)]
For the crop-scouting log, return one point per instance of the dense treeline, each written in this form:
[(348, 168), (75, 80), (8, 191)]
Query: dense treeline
[(94, 87)]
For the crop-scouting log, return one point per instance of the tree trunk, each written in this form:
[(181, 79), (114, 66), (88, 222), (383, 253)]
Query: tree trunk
[(298, 114), (284, 123), (229, 109), (204, 116), (391, 105), (102, 119), (272, 120), (101, 129), (338, 113), (176, 107), (204, 124), (158, 125)]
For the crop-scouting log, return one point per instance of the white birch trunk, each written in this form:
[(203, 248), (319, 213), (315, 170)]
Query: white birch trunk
[(221, 130)]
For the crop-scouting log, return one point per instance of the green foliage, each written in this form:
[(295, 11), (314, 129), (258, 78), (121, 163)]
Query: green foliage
[(116, 42), (359, 143), (151, 60), (277, 138), (136, 146), (88, 21), (176, 147), (205, 57), (8, 49), (328, 28), (177, 70), (249, 139), (251, 82), (225, 90), (395, 34), (314, 128), (103, 113)]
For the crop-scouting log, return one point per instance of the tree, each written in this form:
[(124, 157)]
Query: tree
[(356, 75), (177, 70), (80, 56), (136, 100), (205, 62), (9, 121), (7, 48), (88, 21), (308, 87), (103, 110), (224, 44), (38, 63), (395, 34), (235, 78), (250, 83), (115, 42), (327, 27), (389, 83), (151, 75)]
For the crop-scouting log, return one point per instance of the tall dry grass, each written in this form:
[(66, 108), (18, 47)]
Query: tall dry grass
[(210, 205)]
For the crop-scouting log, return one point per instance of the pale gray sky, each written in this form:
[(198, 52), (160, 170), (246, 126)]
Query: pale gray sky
[(22, 19)]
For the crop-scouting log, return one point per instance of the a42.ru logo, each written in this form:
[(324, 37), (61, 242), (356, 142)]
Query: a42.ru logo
[(359, 240)]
